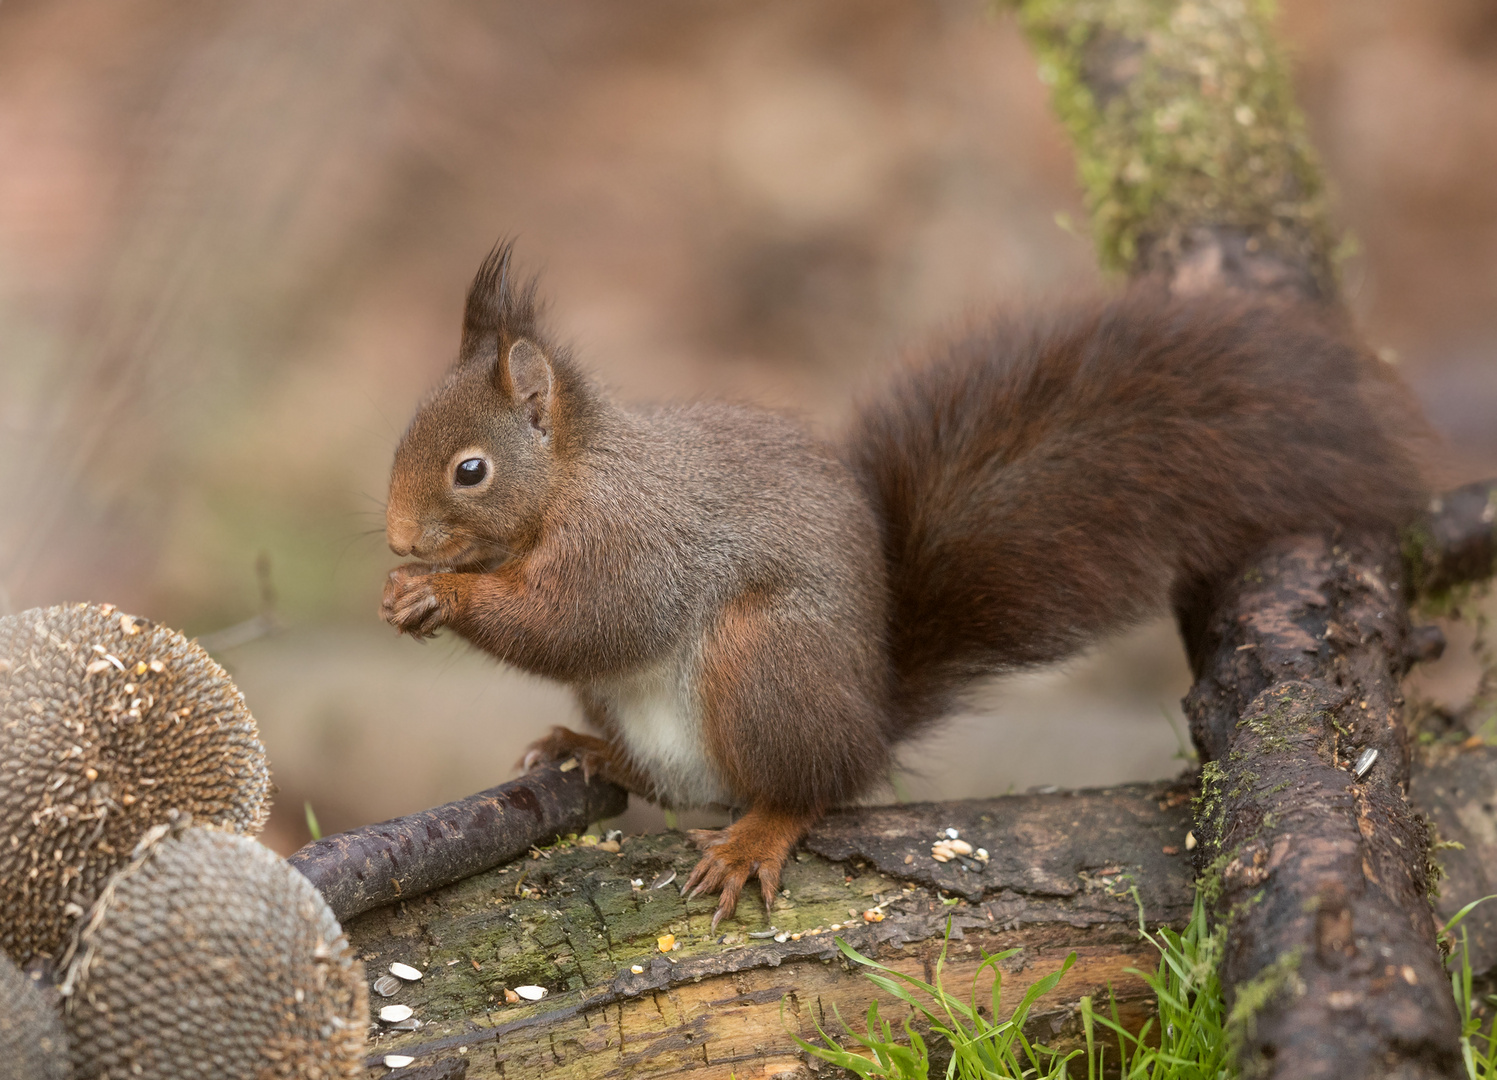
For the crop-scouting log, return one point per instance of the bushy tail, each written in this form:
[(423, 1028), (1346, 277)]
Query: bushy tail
[(1045, 482)]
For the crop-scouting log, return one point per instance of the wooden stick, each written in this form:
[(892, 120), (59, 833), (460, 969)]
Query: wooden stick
[(407, 856), (1457, 541)]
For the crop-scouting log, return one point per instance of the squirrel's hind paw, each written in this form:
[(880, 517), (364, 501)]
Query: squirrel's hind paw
[(756, 845)]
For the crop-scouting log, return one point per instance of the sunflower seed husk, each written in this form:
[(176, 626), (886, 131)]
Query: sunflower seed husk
[(386, 985), (1364, 763), (405, 971), (397, 1061), (531, 993), (394, 1014), (664, 879)]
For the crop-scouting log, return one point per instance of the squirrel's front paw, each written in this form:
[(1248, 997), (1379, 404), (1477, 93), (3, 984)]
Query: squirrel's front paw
[(593, 754), (412, 603)]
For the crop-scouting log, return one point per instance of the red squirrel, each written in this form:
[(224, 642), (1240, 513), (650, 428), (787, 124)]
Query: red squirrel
[(752, 617)]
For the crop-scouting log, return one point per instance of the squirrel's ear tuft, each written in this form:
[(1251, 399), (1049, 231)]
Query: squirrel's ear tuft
[(497, 309), (530, 380)]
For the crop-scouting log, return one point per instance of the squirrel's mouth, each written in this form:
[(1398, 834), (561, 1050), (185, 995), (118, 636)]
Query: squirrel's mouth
[(471, 559)]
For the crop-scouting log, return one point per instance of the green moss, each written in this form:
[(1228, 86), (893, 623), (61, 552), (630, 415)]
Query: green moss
[(1287, 718), (1208, 805), (573, 920), (1245, 781), (1252, 997), (1182, 115)]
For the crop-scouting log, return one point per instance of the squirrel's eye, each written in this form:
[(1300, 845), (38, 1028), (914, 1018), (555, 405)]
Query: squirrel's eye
[(470, 472)]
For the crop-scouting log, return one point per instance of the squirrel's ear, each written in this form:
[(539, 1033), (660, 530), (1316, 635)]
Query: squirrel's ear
[(490, 299), (530, 378)]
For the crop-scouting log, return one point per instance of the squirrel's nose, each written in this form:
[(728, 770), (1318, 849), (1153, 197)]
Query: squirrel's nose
[(402, 536)]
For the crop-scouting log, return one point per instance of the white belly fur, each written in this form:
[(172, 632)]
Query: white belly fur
[(659, 722)]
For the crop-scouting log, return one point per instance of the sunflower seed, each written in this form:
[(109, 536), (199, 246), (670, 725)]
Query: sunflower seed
[(394, 1014), (1364, 763), (397, 1061), (531, 993), (405, 971), (664, 879)]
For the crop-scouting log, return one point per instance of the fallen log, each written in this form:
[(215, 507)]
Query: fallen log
[(587, 925), (572, 919)]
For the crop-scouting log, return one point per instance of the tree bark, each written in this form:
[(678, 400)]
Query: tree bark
[(408, 856), (1315, 859), (1057, 879), (574, 921)]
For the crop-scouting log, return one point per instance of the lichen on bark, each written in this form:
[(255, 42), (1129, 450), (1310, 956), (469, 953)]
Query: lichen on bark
[(1183, 118)]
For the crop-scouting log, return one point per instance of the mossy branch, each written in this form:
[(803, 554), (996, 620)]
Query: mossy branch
[(1193, 158)]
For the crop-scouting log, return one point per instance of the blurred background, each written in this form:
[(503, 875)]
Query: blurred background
[(235, 238)]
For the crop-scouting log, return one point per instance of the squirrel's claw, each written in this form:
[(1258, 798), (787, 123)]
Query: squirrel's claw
[(563, 743), (410, 604), (756, 845)]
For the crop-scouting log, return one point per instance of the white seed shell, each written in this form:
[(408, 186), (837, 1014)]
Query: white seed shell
[(405, 971), (394, 1014), (531, 993), (398, 1061)]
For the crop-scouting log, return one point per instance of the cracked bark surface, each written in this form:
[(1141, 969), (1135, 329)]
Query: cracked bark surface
[(574, 922), (1319, 867), (1057, 877)]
